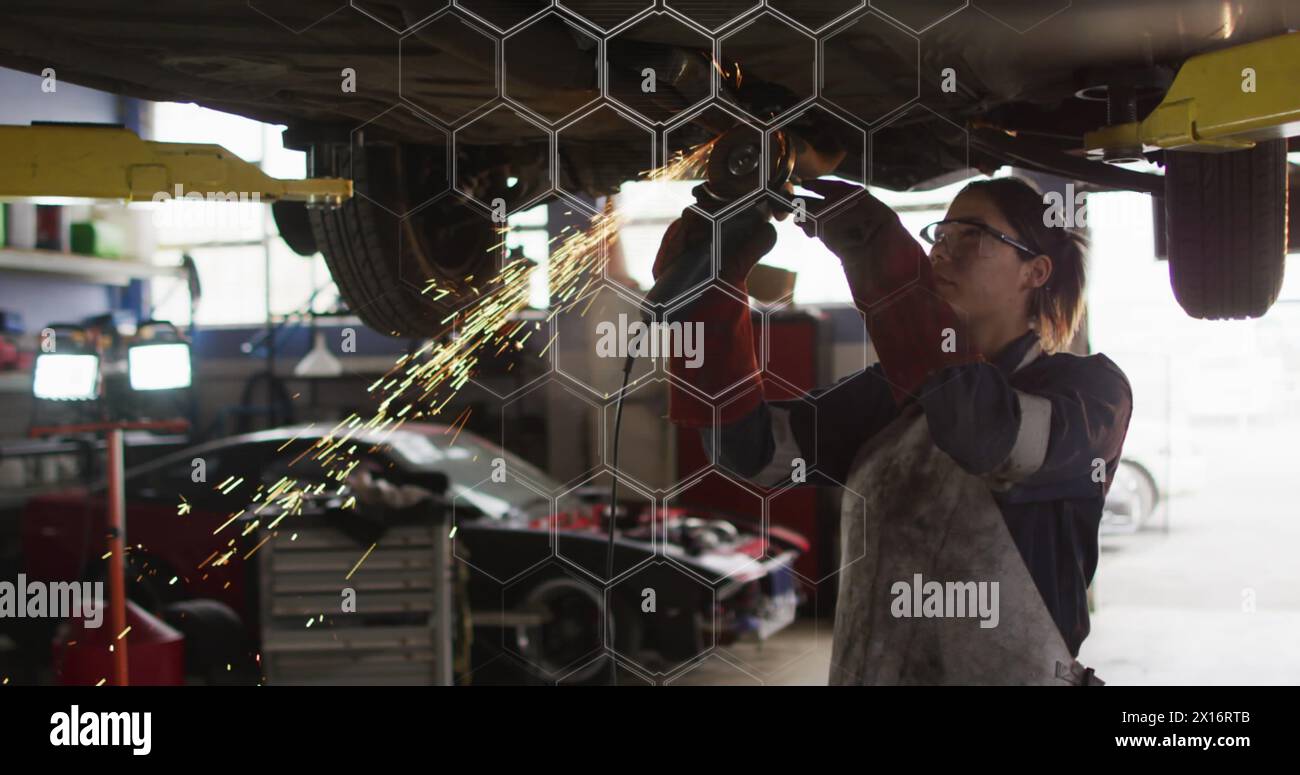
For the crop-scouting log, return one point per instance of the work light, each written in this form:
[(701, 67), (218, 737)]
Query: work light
[(66, 377), (159, 365)]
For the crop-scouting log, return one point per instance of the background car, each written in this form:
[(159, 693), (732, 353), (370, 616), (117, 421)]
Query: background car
[(1133, 499)]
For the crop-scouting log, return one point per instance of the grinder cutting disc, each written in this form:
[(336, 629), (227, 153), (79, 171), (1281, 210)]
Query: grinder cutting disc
[(736, 161)]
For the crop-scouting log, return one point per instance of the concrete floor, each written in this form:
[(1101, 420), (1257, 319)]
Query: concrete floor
[(1171, 607), (799, 655), (1216, 600)]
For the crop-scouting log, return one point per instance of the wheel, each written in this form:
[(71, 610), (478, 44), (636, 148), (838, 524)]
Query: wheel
[(1132, 498), (218, 650), (147, 581), (294, 225), (1226, 220), (382, 263), (571, 629)]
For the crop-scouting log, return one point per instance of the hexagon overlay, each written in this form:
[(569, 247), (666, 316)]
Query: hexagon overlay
[(815, 14), (735, 233), (704, 126), (606, 14), (848, 357), (712, 14), (915, 296), (647, 439), (672, 605), (1022, 15), (918, 149), (706, 381), (768, 67), (393, 172), (592, 336), (552, 67), (559, 620), (597, 671), (918, 15), (449, 68), (645, 210), (869, 68), (749, 650), (658, 67), (565, 428), (598, 141), (582, 522), (893, 277), (956, 95), (446, 242), (714, 670), (717, 515), (501, 15), (776, 389), (295, 15), (501, 155), (400, 19), (818, 137), (789, 508), (507, 371), (322, 52), (478, 516)]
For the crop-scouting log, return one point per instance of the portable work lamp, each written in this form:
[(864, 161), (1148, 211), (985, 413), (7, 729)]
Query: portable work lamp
[(159, 359), (66, 377), (68, 368)]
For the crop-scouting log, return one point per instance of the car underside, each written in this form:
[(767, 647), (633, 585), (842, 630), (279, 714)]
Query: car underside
[(453, 111)]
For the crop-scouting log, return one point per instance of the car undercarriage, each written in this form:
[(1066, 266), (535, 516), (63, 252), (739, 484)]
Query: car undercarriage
[(442, 113)]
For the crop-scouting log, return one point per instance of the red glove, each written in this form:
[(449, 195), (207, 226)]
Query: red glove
[(727, 363), (915, 332)]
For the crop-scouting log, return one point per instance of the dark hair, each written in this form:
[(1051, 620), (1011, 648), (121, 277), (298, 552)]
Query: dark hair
[(1056, 308)]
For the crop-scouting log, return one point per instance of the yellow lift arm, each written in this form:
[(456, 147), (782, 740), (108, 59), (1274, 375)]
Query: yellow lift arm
[(110, 162), (1221, 100)]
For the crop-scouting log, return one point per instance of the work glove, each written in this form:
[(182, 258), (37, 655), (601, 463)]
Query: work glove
[(915, 332), (743, 251), (727, 359)]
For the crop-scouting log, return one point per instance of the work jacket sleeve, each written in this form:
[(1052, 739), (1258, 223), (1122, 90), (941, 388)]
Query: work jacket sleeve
[(1057, 435), (808, 441)]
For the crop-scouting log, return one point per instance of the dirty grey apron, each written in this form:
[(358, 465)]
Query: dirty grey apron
[(921, 513)]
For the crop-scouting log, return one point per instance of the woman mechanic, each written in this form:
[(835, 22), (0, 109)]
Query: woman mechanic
[(980, 449)]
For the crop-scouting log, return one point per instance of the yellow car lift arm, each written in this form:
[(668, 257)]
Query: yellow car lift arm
[(110, 162), (1221, 100)]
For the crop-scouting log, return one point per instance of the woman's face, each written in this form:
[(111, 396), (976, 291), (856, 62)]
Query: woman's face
[(981, 276)]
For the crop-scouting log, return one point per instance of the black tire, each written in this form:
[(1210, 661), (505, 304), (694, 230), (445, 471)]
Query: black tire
[(1226, 221), (1134, 494), (218, 650), (294, 225), (380, 262), (147, 581), (1148, 493), (574, 631)]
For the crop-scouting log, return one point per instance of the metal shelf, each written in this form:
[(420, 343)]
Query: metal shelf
[(99, 270)]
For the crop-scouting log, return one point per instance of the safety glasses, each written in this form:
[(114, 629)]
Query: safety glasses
[(955, 233)]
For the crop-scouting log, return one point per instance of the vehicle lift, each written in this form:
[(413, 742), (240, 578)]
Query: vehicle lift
[(1220, 101), (110, 162)]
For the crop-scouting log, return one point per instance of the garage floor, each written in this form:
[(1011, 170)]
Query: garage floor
[(1175, 608), (799, 655), (1172, 608)]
